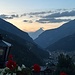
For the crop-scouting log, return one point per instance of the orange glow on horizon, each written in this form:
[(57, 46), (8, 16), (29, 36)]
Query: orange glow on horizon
[(31, 27)]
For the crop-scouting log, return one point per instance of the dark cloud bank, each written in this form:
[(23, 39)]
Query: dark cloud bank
[(52, 17), (3, 16), (29, 21)]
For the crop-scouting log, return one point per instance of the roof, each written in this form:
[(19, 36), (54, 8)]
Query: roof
[(4, 44)]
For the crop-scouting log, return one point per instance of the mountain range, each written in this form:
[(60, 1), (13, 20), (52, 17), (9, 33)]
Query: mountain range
[(24, 50), (49, 37)]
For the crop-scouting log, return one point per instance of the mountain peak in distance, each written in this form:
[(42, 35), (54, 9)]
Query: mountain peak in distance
[(35, 34)]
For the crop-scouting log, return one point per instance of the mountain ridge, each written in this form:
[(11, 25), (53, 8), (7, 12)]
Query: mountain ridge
[(14, 30), (50, 36)]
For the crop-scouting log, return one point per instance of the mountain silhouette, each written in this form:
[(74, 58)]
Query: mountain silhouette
[(49, 37), (35, 34)]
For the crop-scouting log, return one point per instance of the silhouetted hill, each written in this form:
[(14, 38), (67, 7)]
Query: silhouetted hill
[(24, 49), (4, 25), (64, 44), (49, 37), (35, 34)]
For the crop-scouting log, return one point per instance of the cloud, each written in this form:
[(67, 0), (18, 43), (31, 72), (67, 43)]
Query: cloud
[(37, 13), (25, 20), (31, 14), (58, 14), (3, 16), (15, 16), (23, 15), (29, 21), (52, 20), (55, 17)]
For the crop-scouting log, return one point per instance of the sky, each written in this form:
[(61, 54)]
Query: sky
[(30, 15)]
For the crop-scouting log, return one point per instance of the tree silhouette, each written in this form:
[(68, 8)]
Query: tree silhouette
[(65, 64)]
